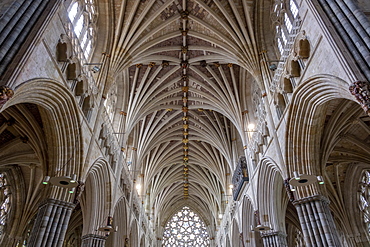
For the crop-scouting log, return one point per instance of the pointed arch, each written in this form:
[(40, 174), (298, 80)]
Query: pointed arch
[(302, 146), (96, 200), (61, 122), (272, 197)]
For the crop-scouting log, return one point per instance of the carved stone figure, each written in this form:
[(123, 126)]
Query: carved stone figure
[(360, 89), (5, 94)]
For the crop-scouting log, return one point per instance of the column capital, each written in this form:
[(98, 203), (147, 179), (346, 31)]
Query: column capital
[(273, 233), (311, 199), (64, 204), (94, 236)]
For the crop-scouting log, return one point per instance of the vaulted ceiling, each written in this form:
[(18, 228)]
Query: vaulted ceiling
[(184, 73)]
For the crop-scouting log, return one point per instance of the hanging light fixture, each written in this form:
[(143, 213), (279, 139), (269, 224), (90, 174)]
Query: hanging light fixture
[(109, 227), (302, 179), (320, 179), (261, 228), (64, 181), (46, 180)]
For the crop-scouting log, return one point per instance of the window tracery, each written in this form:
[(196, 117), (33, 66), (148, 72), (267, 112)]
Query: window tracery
[(284, 15), (82, 15), (185, 229), (4, 203), (364, 199)]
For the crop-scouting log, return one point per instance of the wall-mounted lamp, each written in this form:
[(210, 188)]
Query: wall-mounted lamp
[(94, 69), (273, 67)]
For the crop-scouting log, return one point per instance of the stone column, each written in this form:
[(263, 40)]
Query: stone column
[(93, 240), (317, 221), (352, 26), (51, 223), (274, 239)]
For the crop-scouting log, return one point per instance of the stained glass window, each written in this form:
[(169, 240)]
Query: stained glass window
[(185, 229), (365, 198)]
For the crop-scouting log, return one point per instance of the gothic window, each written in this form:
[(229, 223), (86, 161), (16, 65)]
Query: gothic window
[(185, 229), (285, 12), (4, 203), (364, 200), (82, 15)]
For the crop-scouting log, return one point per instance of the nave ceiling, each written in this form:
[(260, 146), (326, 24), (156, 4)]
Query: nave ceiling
[(185, 73)]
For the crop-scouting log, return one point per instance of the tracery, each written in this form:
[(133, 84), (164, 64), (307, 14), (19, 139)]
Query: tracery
[(364, 199), (185, 229), (82, 15)]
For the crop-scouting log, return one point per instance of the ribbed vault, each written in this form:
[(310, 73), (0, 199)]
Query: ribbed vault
[(182, 65)]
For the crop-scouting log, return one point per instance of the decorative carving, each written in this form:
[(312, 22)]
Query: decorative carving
[(5, 94), (184, 49), (184, 14), (63, 49), (165, 63), (360, 89), (286, 85), (184, 64), (292, 68), (73, 69), (81, 86), (240, 177), (184, 32), (302, 45)]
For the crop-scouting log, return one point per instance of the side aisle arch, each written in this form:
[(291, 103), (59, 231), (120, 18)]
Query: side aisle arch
[(61, 123), (96, 200), (304, 128), (43, 120), (272, 202)]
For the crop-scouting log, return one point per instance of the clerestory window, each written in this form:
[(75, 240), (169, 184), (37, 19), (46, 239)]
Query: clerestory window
[(185, 229), (284, 15), (82, 14)]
